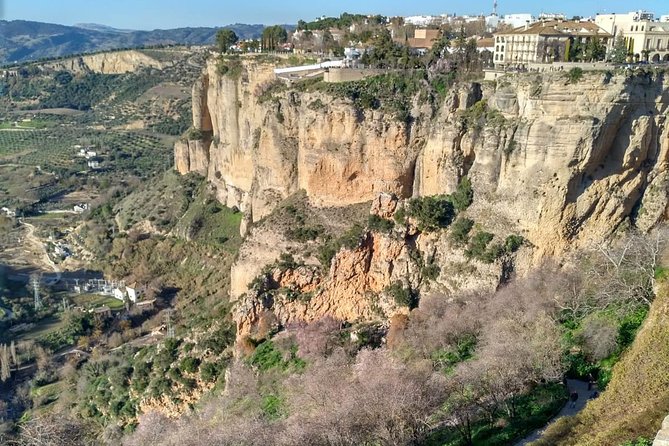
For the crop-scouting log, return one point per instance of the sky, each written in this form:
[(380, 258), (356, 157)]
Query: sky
[(152, 14)]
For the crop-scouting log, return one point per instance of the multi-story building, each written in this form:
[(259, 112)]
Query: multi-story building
[(645, 38), (517, 20), (544, 42)]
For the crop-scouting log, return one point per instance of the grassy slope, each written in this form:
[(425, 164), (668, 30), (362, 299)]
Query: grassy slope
[(636, 400)]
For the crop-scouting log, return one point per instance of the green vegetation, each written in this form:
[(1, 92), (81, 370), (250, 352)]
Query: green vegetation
[(378, 224), (230, 66), (460, 230), (432, 213), (225, 38), (637, 405), (480, 114), (574, 75), (266, 357), (532, 411), (479, 247), (403, 297), (349, 240)]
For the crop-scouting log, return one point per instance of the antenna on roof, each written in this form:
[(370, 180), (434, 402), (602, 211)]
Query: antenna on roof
[(494, 7)]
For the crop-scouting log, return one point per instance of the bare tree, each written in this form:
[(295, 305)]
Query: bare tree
[(55, 430), (15, 357), (5, 363)]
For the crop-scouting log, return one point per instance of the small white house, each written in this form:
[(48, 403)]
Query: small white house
[(80, 208), (133, 293), (95, 165), (9, 212), (118, 294)]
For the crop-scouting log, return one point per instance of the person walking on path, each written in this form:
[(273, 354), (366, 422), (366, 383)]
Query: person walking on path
[(573, 398)]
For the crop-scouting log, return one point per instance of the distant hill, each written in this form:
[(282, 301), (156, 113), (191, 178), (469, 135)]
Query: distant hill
[(22, 41)]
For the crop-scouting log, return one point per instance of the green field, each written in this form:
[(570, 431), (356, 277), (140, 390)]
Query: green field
[(54, 148), (95, 301), (41, 328), (33, 124)]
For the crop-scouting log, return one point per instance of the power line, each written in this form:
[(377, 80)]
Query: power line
[(169, 324), (38, 302)]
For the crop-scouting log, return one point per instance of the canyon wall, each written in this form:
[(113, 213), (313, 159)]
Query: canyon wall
[(115, 62), (562, 163)]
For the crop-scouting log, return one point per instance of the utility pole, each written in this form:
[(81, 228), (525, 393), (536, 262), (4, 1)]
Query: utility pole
[(35, 283), (168, 323)]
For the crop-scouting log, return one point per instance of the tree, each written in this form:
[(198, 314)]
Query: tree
[(272, 37), (619, 53), (225, 38), (594, 50), (5, 364)]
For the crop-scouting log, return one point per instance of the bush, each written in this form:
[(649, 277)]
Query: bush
[(574, 75), (432, 213), (460, 230), (404, 297), (513, 243), (431, 271), (478, 244), (195, 134), (209, 371), (190, 364), (463, 195), (378, 224)]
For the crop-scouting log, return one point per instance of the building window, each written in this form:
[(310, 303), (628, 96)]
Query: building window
[(648, 44), (659, 44), (496, 56)]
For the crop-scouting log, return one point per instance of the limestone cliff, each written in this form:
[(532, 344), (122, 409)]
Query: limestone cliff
[(356, 287), (561, 163), (114, 62), (261, 152)]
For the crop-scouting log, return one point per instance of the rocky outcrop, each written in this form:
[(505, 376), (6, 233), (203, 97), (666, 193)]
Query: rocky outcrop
[(662, 438), (264, 150), (561, 163), (115, 62), (355, 288)]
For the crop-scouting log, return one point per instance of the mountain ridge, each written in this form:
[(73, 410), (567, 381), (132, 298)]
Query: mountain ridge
[(25, 41)]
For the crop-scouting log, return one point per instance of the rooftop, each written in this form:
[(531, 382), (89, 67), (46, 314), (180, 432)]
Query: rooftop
[(560, 28)]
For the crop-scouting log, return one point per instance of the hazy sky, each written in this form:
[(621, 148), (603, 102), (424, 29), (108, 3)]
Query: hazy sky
[(151, 14)]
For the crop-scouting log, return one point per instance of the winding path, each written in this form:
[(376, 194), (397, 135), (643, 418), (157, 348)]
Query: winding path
[(581, 387)]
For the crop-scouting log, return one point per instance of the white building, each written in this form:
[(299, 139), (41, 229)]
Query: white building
[(645, 38), (423, 20), (9, 212), (518, 20)]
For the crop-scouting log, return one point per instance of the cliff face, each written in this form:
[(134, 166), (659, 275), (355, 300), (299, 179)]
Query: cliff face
[(260, 153), (115, 62), (561, 163)]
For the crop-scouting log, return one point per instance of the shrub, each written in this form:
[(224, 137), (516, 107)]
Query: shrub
[(463, 195), (460, 230), (378, 224), (574, 75), (431, 271), (190, 364), (478, 244), (513, 243), (209, 371), (195, 134), (266, 357), (404, 297), (432, 213)]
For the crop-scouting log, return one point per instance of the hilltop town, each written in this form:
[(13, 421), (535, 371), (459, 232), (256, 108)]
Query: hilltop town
[(359, 229)]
